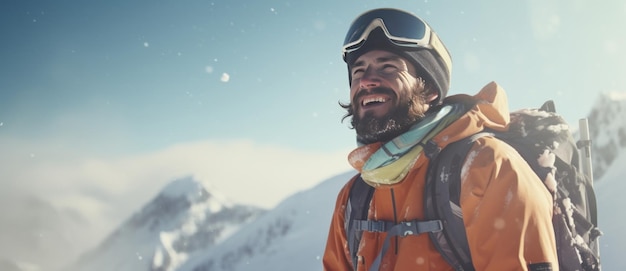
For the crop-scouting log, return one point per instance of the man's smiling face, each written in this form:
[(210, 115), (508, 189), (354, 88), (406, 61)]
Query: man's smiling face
[(386, 95)]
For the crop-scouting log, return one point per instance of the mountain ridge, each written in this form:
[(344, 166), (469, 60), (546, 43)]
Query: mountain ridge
[(607, 129), (182, 219)]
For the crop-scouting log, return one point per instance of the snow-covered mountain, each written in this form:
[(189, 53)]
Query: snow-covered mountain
[(184, 219), (290, 237), (607, 128)]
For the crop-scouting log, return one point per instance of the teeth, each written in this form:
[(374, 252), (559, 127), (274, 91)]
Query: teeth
[(373, 100)]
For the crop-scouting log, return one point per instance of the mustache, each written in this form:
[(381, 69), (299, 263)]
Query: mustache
[(378, 90)]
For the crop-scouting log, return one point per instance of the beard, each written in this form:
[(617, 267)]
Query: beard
[(407, 112)]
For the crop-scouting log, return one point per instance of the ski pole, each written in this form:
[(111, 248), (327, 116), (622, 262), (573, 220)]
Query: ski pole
[(587, 169)]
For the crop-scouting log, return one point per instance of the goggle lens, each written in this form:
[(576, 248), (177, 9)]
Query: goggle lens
[(401, 28)]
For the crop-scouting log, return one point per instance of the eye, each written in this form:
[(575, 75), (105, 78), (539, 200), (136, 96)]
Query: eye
[(357, 72), (388, 68)]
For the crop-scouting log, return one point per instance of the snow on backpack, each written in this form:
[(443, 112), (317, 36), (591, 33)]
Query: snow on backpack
[(543, 139)]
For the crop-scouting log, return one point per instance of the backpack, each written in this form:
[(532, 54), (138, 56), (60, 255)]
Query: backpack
[(536, 134)]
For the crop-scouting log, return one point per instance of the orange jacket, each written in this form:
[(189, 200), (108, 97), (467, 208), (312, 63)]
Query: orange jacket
[(507, 210)]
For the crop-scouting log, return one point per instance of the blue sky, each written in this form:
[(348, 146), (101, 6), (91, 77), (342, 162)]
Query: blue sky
[(122, 77), (111, 100)]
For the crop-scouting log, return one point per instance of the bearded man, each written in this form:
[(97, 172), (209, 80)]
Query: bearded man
[(399, 74)]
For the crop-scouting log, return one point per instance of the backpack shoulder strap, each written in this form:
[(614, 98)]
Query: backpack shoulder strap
[(442, 201), (441, 197), (356, 210)]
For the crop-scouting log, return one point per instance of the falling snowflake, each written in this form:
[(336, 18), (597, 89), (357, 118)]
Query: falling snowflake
[(146, 44), (225, 77), (208, 69)]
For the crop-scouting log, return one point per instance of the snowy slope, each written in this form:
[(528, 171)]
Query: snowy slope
[(182, 220), (290, 237)]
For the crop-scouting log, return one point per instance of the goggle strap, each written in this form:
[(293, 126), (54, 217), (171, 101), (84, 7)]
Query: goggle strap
[(438, 46)]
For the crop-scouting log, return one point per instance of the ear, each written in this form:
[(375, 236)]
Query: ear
[(431, 96)]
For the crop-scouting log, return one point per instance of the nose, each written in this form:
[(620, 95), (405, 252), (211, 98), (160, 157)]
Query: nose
[(369, 79)]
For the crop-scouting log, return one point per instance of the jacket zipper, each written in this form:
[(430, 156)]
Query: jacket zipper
[(395, 217)]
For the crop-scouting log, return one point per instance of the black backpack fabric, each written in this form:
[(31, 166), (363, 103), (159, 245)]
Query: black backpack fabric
[(536, 134)]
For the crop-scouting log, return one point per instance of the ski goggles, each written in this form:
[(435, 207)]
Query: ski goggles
[(401, 29)]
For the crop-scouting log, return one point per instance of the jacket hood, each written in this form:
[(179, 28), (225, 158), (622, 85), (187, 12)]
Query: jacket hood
[(491, 111)]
